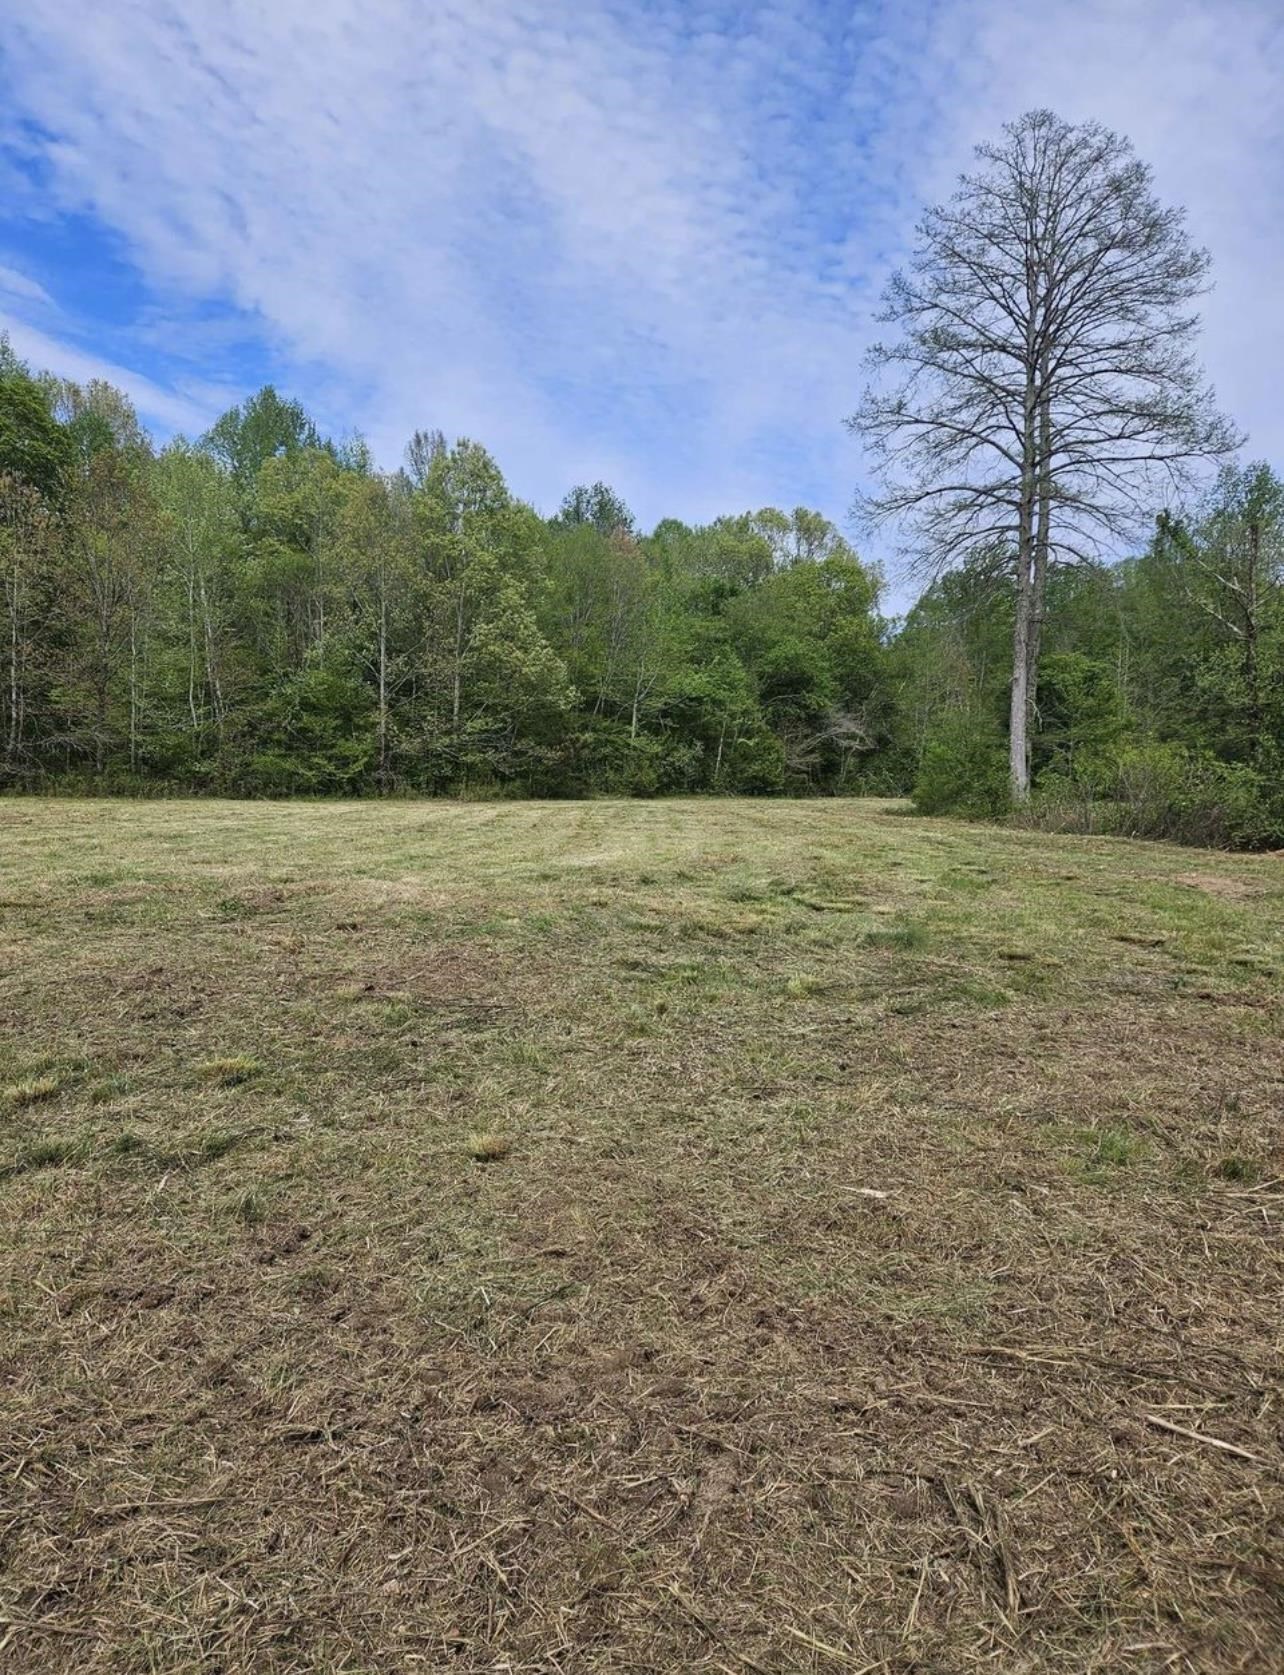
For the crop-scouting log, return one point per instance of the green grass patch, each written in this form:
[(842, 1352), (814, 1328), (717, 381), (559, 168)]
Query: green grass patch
[(229, 1072)]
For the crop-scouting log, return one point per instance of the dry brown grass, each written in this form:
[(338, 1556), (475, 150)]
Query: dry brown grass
[(31, 1091), (488, 1147), (229, 1072), (885, 1273)]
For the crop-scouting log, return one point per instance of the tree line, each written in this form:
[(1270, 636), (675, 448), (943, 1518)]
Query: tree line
[(263, 612)]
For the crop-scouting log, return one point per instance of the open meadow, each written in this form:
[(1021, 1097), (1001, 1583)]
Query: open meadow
[(765, 1237)]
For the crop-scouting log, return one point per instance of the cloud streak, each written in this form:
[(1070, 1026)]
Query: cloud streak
[(167, 408), (610, 239)]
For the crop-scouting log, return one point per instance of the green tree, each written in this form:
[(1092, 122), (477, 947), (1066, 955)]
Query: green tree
[(1082, 720), (106, 599), (598, 505), (375, 542), (481, 563), (28, 537), (204, 550), (265, 427), (34, 447)]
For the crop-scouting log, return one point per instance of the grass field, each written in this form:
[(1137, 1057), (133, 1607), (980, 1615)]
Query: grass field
[(680, 1236)]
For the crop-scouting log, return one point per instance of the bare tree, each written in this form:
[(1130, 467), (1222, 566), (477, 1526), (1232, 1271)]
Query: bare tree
[(1042, 390)]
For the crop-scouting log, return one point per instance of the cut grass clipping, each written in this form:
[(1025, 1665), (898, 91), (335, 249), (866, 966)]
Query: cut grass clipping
[(854, 1296)]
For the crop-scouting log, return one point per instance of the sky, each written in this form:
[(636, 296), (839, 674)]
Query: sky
[(636, 240)]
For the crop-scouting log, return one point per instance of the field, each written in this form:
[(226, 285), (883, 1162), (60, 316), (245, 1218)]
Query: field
[(682, 1236)]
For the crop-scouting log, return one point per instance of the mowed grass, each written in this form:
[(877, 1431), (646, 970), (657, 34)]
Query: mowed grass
[(679, 1236)]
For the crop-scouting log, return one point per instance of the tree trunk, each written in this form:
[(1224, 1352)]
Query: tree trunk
[(459, 658), (191, 646), (1042, 532), (1023, 626), (1019, 718), (133, 693), (213, 685), (103, 693), (383, 691), (1252, 674), (15, 680)]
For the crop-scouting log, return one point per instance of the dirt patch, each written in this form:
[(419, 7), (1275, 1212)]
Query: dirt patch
[(1219, 884)]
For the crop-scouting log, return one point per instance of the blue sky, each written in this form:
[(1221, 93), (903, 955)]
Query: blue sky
[(608, 238)]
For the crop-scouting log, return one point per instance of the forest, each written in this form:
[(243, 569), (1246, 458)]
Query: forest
[(261, 612), (1098, 646)]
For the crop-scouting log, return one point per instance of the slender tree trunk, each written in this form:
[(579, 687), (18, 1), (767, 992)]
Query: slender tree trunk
[(1019, 718), (133, 692), (1252, 674), (1042, 532), (1019, 721), (383, 689), (213, 685), (103, 694), (459, 658), (15, 665), (191, 644)]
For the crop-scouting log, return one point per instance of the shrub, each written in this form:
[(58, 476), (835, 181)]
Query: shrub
[(1081, 714), (1169, 791), (754, 765), (1063, 803), (1162, 790), (964, 768)]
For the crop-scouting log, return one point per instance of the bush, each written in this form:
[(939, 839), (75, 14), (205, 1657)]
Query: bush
[(1188, 796), (1167, 791), (1061, 802), (964, 769), (754, 766)]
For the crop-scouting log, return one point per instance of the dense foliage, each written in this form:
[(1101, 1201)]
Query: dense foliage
[(261, 612), (1161, 682)]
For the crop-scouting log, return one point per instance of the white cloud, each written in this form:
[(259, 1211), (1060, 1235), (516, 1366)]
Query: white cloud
[(608, 239), (15, 284)]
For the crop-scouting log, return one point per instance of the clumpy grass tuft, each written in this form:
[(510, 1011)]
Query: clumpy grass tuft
[(315, 1283), (488, 1147), (229, 1072), (42, 1154), (249, 1206), (31, 1092), (800, 986), (1237, 1168), (109, 1088), (218, 1143), (906, 936), (1116, 1148)]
